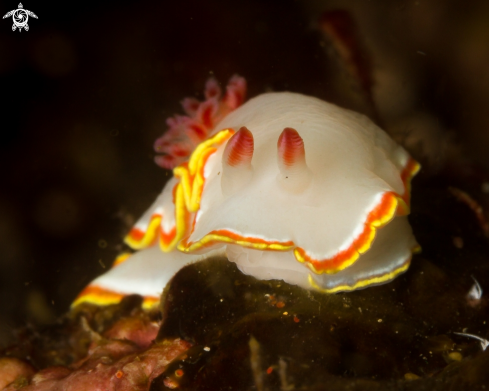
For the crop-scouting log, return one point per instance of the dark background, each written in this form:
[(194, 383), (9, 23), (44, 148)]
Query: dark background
[(86, 91)]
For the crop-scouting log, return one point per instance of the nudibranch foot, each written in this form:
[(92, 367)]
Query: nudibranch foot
[(145, 273), (389, 256)]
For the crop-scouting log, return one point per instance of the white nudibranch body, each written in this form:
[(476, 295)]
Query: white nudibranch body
[(288, 187)]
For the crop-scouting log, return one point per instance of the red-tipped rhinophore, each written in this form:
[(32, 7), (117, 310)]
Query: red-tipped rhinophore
[(294, 174), (290, 148), (239, 149)]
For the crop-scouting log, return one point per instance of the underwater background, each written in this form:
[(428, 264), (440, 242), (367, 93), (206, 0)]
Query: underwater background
[(87, 90)]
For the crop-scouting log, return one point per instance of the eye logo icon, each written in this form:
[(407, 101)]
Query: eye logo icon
[(20, 16)]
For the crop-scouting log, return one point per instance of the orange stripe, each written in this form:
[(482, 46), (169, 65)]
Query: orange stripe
[(377, 218), (390, 205), (96, 295), (223, 235), (192, 174), (362, 242), (139, 239), (410, 170), (136, 234), (384, 211), (167, 238), (190, 186)]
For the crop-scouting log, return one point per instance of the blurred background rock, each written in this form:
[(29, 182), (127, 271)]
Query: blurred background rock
[(87, 89)]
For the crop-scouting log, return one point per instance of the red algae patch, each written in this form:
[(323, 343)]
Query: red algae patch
[(13, 370), (116, 369)]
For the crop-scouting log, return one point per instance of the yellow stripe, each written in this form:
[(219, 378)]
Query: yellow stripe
[(209, 238), (180, 220), (97, 300), (350, 261), (149, 235), (191, 184), (121, 259), (362, 283), (191, 175), (148, 302)]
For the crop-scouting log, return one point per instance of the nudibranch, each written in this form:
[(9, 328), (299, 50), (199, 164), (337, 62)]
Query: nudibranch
[(287, 186)]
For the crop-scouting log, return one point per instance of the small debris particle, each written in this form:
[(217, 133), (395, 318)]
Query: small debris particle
[(475, 294), (105, 360), (269, 370), (179, 373), (282, 370), (360, 309), (102, 263), (280, 304), (296, 319), (102, 243), (455, 356), (380, 320), (256, 363), (119, 374), (483, 342), (285, 313), (222, 300), (458, 242), (485, 187), (207, 349), (410, 376), (422, 53), (170, 383), (271, 299)]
